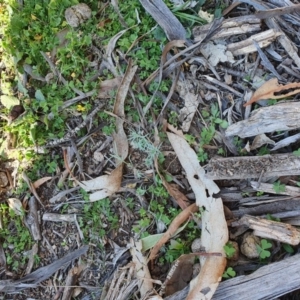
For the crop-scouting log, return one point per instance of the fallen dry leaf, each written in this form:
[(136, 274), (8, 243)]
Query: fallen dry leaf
[(109, 85), (261, 140), (181, 218), (273, 90), (172, 189), (16, 205), (107, 185), (40, 182)]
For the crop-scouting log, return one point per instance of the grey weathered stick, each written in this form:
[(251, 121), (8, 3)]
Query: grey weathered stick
[(269, 208), (41, 274), (252, 166), (265, 61), (279, 117), (30, 263), (271, 13), (261, 284), (51, 217)]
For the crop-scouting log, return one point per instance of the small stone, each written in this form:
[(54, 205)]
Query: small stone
[(249, 245), (77, 14), (3, 180)]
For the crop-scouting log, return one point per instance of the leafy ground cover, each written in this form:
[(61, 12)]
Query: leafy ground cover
[(65, 109)]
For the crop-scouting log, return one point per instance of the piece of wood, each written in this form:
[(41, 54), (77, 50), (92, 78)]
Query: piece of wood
[(253, 166), (263, 39), (278, 231), (279, 117), (71, 280), (32, 219), (269, 188), (230, 27), (165, 19), (260, 285), (30, 263), (58, 217)]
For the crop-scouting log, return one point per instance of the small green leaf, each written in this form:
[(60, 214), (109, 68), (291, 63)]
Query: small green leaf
[(39, 95), (264, 254), (288, 248), (265, 244), (224, 124), (297, 152), (9, 101), (278, 187)]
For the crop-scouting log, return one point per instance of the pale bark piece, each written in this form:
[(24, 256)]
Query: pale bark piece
[(263, 39), (260, 285), (213, 238), (253, 166), (62, 194), (195, 173), (278, 231), (230, 27), (279, 117), (32, 280), (165, 19), (32, 219), (141, 268), (215, 232), (58, 217), (16, 205), (269, 188)]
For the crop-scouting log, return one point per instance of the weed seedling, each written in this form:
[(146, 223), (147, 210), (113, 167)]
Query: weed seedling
[(229, 250), (278, 187), (229, 273), (288, 248), (263, 249)]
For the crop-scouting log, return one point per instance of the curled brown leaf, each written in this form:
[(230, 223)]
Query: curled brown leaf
[(181, 218), (273, 90)]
